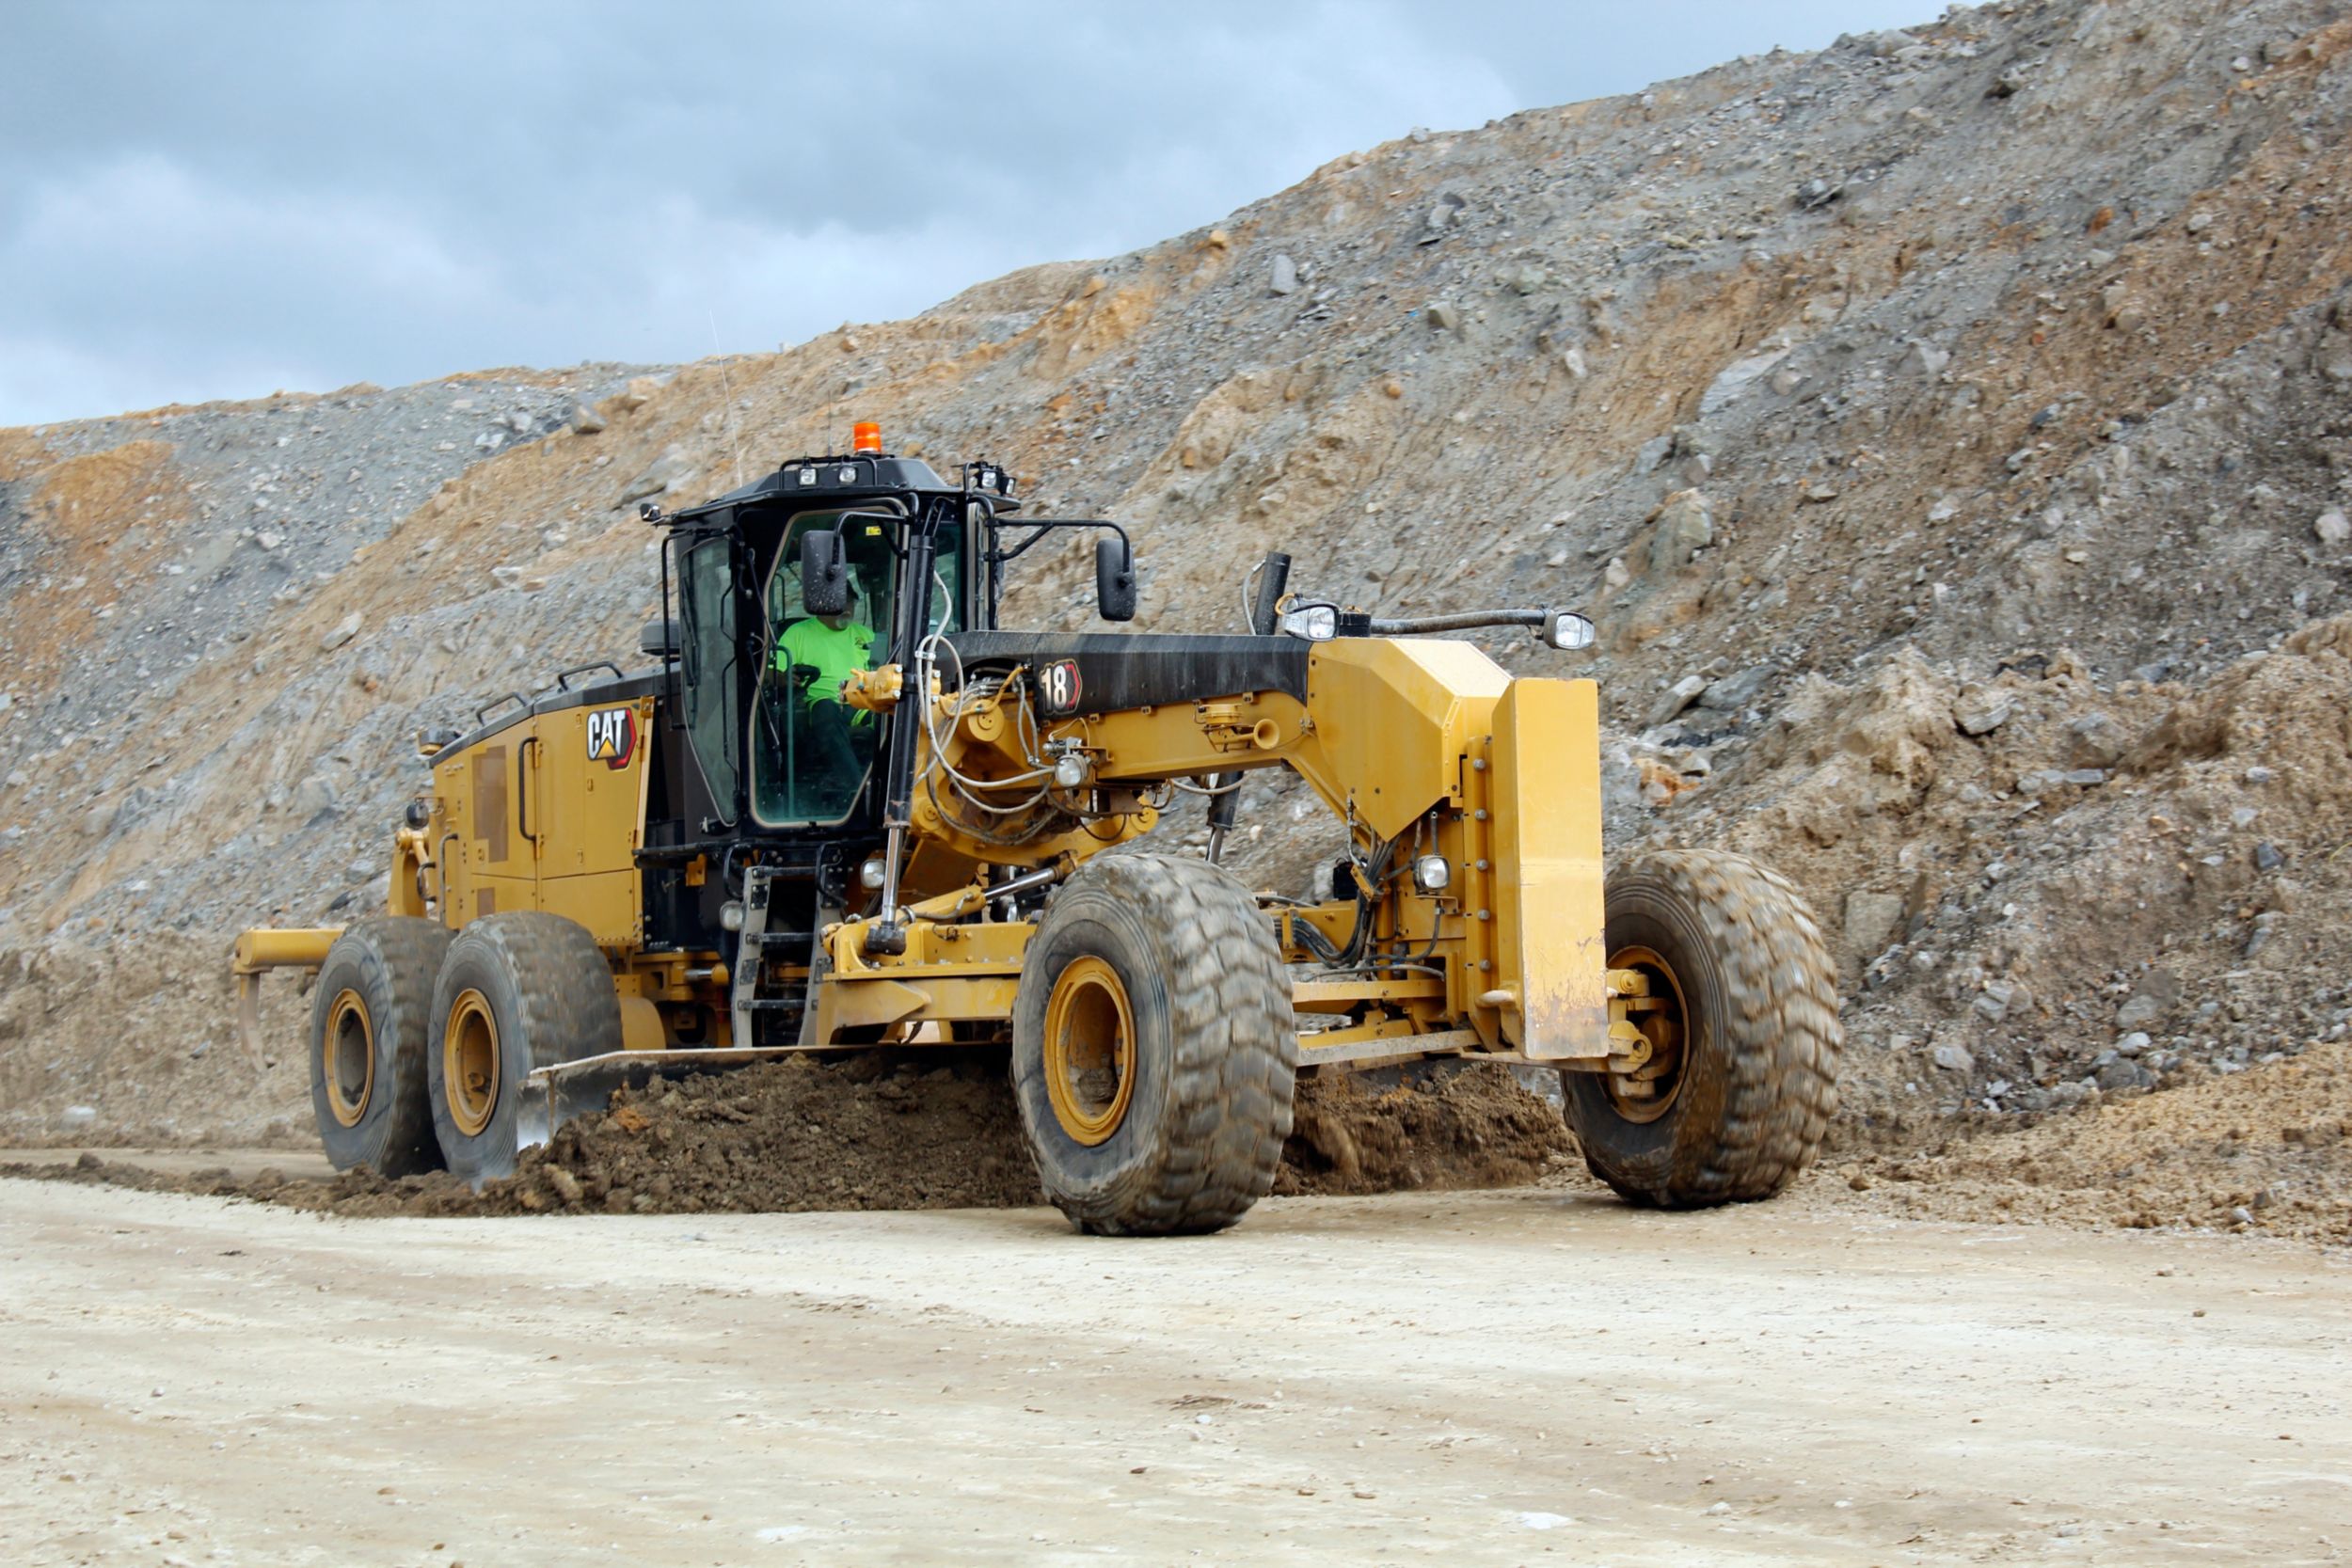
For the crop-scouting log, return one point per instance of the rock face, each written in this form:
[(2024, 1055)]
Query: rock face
[(1950, 439)]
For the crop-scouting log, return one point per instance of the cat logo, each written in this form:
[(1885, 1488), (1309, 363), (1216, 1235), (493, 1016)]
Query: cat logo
[(1057, 687), (613, 735)]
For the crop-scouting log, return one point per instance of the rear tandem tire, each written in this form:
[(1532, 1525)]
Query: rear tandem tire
[(519, 990), (1178, 1129), (1743, 1112), (371, 1020)]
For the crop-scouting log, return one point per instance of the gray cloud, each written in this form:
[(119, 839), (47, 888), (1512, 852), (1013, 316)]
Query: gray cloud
[(202, 201)]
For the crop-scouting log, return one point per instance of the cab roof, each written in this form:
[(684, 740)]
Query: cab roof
[(829, 480)]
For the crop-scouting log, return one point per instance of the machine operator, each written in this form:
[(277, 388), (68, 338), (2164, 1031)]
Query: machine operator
[(816, 653)]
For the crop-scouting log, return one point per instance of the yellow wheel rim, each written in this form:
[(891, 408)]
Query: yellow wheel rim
[(347, 1058), (470, 1063), (1090, 1050), (1647, 1095)]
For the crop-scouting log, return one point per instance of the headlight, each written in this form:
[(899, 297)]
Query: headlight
[(1431, 873), (870, 874), (1565, 628), (1070, 769), (1316, 622), (731, 915)]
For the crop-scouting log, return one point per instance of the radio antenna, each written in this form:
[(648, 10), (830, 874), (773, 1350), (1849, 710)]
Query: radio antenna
[(728, 392)]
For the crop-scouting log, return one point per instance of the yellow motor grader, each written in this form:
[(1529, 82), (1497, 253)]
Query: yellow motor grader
[(845, 809)]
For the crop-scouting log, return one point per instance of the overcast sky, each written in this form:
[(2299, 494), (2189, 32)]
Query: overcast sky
[(209, 200)]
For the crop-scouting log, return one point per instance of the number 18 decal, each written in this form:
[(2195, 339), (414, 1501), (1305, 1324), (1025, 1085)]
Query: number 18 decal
[(1058, 686)]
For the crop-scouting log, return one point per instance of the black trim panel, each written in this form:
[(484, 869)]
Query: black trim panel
[(1119, 670)]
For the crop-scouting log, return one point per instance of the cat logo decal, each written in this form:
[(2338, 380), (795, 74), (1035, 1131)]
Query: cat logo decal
[(613, 735)]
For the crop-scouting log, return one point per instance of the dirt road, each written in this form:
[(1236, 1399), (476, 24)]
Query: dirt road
[(1513, 1377)]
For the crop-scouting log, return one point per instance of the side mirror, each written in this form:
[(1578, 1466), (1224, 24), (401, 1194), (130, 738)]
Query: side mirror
[(1114, 579), (1565, 628), (824, 574)]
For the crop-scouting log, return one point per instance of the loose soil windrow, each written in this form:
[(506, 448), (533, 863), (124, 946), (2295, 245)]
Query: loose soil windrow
[(899, 1131)]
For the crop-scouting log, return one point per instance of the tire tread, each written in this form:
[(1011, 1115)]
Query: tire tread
[(1781, 1034), (1235, 1054)]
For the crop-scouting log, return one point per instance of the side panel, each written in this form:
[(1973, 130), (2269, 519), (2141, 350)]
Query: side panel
[(592, 781), (549, 815), (485, 861), (1551, 933), (591, 775), (1392, 719)]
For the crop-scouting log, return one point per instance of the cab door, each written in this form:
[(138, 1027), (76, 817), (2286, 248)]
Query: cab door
[(710, 665)]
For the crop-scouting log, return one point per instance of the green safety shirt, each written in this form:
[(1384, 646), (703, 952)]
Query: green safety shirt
[(833, 654)]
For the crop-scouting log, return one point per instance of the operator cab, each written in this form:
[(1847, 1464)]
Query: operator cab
[(776, 798), (778, 750)]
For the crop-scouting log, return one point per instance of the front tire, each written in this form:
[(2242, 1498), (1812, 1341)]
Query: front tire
[(518, 992), (1745, 1033), (1154, 1049), (370, 1024)]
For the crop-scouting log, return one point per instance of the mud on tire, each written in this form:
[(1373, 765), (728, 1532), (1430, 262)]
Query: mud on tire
[(371, 1020), (1756, 1083), (1213, 1049), (518, 991)]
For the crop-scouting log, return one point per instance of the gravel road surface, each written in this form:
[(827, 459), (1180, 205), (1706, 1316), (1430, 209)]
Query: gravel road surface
[(1509, 1377)]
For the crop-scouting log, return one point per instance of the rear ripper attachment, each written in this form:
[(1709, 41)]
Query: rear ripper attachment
[(846, 809)]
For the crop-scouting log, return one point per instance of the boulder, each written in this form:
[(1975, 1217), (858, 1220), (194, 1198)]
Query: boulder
[(1686, 525), (1981, 710), (662, 473), (1871, 921), (1734, 692), (315, 796), (2094, 740), (2157, 990), (1678, 697)]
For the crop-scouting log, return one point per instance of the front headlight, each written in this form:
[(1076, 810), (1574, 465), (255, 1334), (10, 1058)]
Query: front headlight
[(1316, 622), (1565, 628)]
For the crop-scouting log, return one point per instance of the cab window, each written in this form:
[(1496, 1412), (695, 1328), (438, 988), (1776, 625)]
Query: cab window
[(811, 753), (707, 599)]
